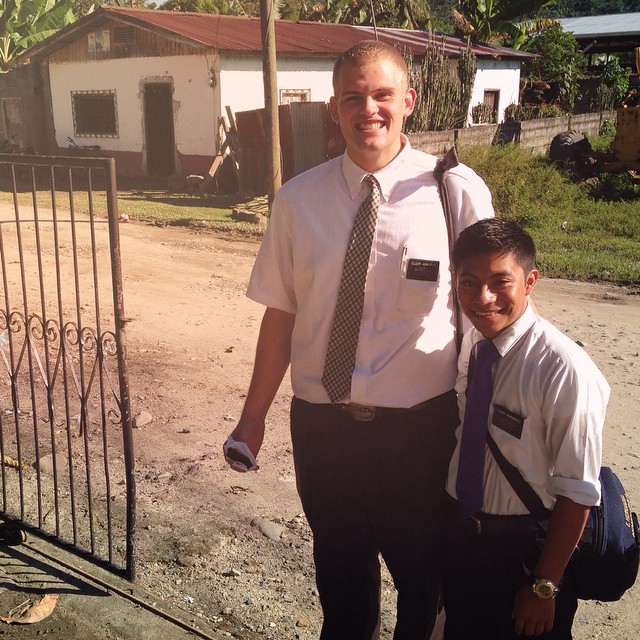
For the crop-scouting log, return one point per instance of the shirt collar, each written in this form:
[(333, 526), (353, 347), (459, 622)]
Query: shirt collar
[(387, 177), (505, 340)]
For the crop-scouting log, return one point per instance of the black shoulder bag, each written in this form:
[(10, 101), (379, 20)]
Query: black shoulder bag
[(605, 563)]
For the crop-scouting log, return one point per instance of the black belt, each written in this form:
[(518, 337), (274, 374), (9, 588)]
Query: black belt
[(487, 523), (366, 413)]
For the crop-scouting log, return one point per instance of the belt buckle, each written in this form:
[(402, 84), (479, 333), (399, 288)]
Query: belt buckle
[(361, 413)]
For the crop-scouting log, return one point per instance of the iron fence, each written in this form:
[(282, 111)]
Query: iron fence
[(66, 446)]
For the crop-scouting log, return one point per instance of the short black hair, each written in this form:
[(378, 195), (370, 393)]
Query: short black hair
[(492, 235)]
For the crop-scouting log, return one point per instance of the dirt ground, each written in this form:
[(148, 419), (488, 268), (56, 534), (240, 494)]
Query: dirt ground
[(233, 550)]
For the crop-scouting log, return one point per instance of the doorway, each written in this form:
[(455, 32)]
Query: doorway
[(158, 126)]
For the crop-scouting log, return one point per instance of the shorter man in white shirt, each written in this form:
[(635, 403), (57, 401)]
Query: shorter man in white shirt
[(504, 576)]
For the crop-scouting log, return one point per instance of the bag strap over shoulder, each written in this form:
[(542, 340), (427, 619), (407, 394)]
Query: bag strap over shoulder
[(443, 165), (529, 497)]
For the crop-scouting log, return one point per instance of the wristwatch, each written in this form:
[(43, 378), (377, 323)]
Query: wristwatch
[(543, 587)]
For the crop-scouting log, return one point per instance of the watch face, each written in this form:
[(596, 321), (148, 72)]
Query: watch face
[(544, 589)]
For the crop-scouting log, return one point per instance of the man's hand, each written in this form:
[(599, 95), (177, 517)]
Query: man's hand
[(533, 615), (272, 359), (250, 433)]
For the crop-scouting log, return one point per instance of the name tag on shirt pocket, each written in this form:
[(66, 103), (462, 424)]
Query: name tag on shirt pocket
[(425, 270), (508, 421)]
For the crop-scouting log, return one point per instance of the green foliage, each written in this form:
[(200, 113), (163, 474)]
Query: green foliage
[(613, 83), (615, 187), (577, 236), (606, 134), (498, 20), (572, 8), (24, 23), (406, 14), (440, 15), (82, 8), (521, 112), (443, 95), (557, 49), (550, 110), (559, 61), (483, 114)]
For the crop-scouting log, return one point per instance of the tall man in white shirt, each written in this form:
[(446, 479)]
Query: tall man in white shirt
[(503, 576), (371, 465)]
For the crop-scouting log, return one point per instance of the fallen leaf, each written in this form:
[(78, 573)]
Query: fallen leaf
[(35, 613)]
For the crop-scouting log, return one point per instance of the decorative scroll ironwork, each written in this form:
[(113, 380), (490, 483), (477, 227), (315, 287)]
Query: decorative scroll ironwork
[(66, 447)]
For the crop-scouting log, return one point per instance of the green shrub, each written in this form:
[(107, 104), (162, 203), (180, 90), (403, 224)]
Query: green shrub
[(577, 235), (615, 187), (483, 114)]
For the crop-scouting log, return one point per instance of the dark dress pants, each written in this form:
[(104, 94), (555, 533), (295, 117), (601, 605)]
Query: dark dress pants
[(370, 488), (482, 575)]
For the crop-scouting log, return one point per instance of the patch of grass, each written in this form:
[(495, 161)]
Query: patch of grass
[(577, 236), (161, 207), (210, 211)]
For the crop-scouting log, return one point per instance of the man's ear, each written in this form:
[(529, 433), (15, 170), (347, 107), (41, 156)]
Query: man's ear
[(410, 98), (333, 109), (530, 281)]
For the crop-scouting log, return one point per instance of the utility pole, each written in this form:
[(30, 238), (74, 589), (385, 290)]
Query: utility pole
[(269, 76)]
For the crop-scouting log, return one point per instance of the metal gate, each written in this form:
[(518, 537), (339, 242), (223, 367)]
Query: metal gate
[(66, 446)]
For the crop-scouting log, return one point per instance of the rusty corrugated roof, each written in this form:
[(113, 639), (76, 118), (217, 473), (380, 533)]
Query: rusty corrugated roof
[(243, 34)]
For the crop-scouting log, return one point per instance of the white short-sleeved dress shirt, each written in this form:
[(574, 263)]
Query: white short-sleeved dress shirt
[(546, 416), (406, 352)]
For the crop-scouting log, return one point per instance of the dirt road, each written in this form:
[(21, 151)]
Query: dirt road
[(232, 549)]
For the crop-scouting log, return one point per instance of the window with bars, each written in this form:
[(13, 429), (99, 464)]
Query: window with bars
[(94, 113)]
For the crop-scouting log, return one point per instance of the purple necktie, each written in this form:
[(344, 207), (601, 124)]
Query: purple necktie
[(469, 485)]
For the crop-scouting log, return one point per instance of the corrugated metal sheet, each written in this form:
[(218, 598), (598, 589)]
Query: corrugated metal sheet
[(621, 24), (243, 34)]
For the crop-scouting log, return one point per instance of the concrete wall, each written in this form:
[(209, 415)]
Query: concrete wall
[(242, 88), (590, 123), (22, 108), (193, 104), (535, 135)]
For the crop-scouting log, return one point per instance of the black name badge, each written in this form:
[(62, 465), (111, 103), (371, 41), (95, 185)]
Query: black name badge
[(423, 270), (508, 421)]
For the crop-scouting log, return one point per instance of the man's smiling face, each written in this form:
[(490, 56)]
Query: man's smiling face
[(370, 105), (493, 291)]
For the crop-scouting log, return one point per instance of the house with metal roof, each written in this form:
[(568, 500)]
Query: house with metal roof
[(150, 86), (615, 33)]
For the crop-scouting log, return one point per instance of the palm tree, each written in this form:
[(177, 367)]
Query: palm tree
[(499, 20), (23, 23)]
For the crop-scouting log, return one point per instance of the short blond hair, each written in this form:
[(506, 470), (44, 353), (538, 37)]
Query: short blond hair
[(366, 52)]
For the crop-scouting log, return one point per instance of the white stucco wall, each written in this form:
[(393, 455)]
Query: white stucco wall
[(241, 81), (497, 75), (242, 88), (197, 105), (193, 100)]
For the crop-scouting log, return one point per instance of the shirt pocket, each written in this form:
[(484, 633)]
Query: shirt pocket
[(418, 281)]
